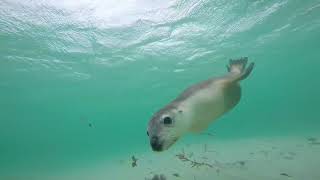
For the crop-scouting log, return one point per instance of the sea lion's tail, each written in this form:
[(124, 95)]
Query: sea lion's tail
[(238, 69)]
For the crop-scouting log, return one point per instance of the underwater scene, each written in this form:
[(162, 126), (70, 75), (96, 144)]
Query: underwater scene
[(159, 89)]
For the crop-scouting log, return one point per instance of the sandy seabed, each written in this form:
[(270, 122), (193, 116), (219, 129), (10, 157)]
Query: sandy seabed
[(286, 157)]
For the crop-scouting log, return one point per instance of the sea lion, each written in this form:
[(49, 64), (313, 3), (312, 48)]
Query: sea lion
[(197, 106)]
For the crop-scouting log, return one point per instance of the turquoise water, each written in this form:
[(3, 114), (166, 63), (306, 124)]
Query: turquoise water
[(79, 80)]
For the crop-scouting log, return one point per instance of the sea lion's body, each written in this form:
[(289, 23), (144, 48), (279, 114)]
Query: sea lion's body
[(196, 107), (206, 101)]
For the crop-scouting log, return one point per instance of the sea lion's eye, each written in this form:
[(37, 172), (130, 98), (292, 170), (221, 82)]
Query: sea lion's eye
[(167, 120)]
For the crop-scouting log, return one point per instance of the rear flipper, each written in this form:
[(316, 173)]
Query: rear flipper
[(238, 69)]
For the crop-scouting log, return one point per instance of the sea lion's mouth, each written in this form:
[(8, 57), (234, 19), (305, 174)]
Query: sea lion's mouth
[(157, 147)]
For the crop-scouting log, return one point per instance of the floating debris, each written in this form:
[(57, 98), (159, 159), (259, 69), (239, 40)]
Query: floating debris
[(134, 161), (208, 134), (285, 174), (88, 122), (242, 163), (176, 174)]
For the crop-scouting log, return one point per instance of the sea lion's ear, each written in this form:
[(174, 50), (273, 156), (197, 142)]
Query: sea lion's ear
[(180, 111)]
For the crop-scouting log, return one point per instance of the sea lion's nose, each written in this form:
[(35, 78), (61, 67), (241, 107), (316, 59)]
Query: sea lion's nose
[(155, 144)]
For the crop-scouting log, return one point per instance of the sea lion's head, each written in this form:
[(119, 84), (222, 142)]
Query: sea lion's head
[(165, 127)]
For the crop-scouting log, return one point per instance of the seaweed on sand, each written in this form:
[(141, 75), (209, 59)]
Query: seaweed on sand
[(134, 161), (176, 174), (285, 174), (313, 141), (157, 177), (194, 163)]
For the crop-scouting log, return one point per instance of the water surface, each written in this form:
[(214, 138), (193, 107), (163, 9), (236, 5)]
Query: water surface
[(79, 80)]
